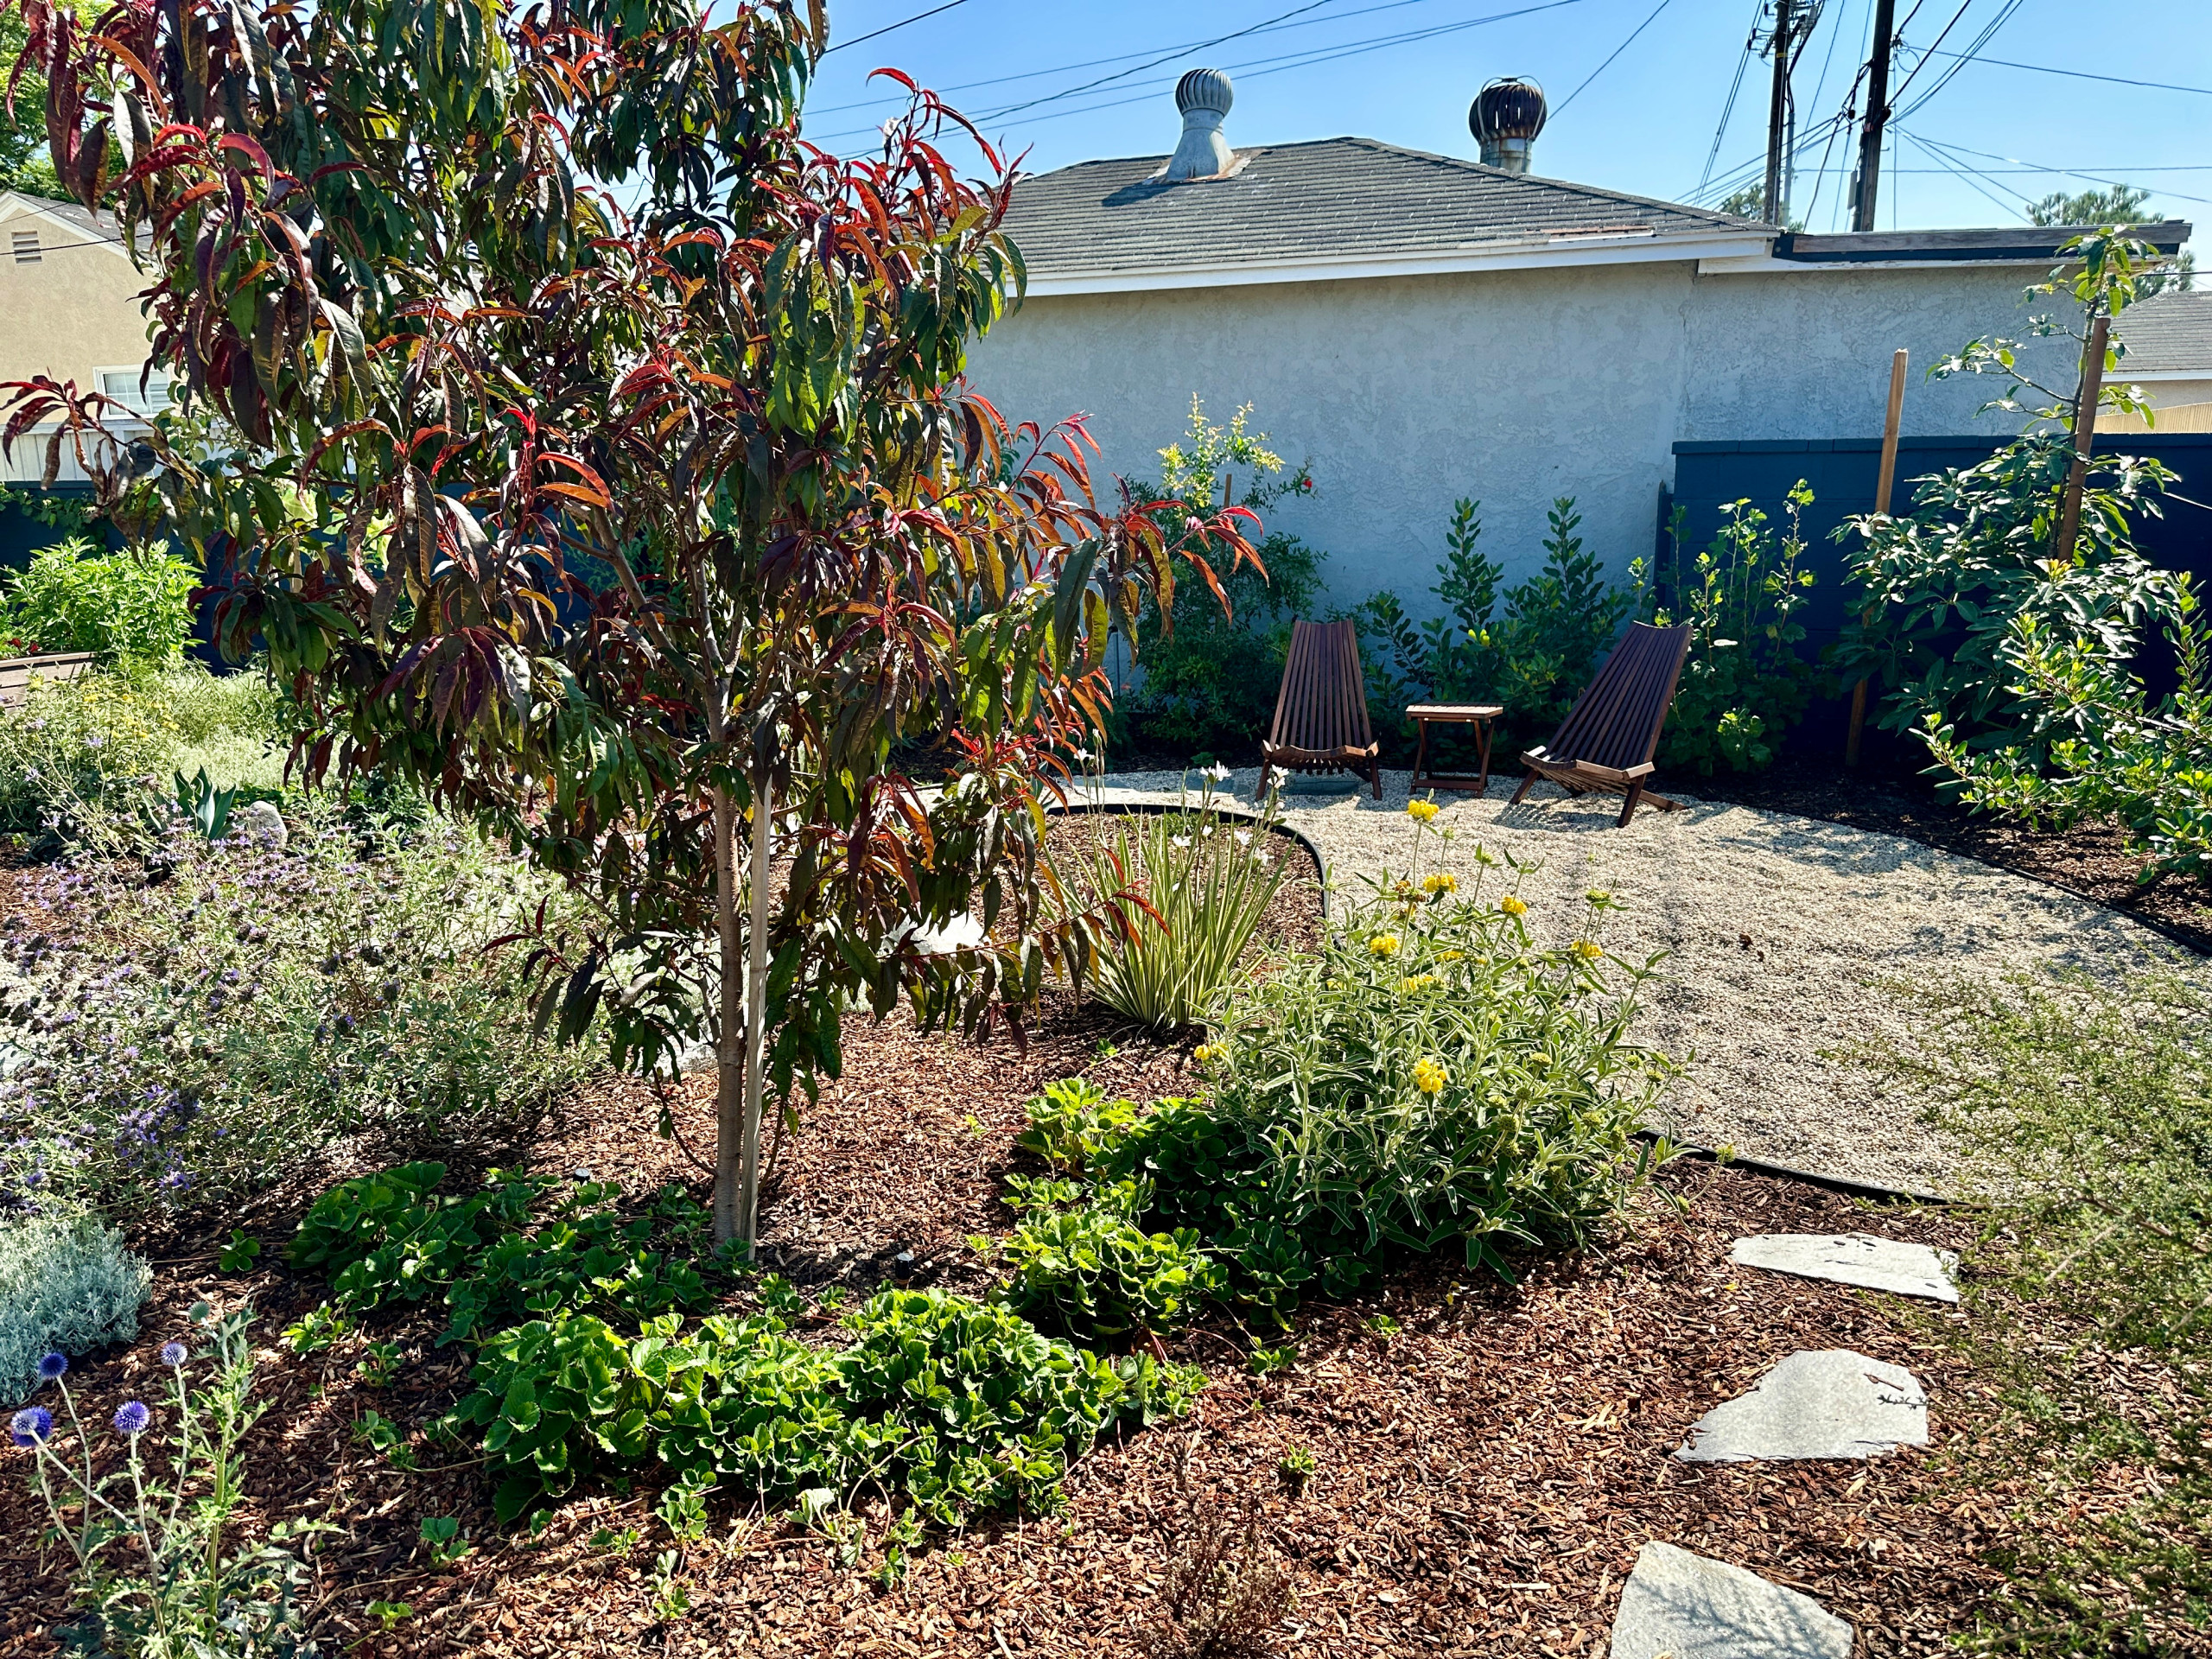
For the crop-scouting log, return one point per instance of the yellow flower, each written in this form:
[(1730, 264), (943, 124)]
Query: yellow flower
[(1512, 906), (1587, 950), (1440, 884), (1414, 983), (1205, 1052), (1383, 944), (1599, 896), (1421, 811), (1451, 956), (1428, 1077)]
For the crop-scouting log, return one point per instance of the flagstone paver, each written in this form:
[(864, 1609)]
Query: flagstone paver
[(1829, 1403), (1677, 1605), (1854, 1259)]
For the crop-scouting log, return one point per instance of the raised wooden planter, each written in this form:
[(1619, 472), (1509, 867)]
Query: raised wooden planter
[(16, 673)]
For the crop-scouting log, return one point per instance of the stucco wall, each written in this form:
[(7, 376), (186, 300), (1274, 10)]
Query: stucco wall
[(1513, 387), (74, 311)]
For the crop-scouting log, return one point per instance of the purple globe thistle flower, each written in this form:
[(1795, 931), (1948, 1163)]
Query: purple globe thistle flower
[(51, 1367), (172, 1354), (31, 1424), (131, 1417)]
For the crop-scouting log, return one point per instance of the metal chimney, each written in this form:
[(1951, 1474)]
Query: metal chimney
[(1505, 118), (1204, 96)]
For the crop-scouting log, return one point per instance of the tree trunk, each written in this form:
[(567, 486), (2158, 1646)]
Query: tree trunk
[(729, 1054), (756, 1010)]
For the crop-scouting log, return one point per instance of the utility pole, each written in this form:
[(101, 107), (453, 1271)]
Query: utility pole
[(1778, 117), (1878, 116)]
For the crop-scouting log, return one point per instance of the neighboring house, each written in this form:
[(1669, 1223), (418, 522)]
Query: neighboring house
[(1421, 327), (69, 309), (2168, 340)]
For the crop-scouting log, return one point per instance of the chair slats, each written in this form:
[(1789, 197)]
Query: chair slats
[(1320, 723), (1608, 738)]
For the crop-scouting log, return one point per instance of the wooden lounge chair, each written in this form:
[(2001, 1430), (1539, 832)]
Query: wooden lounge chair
[(1321, 712), (16, 673), (1607, 739)]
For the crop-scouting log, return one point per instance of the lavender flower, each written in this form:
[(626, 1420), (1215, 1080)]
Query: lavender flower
[(131, 1417), (172, 1354), (31, 1424), (51, 1367)]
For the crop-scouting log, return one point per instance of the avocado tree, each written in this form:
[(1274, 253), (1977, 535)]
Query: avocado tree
[(597, 455)]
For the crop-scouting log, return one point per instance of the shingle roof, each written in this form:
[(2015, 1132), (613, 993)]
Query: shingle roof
[(103, 228), (2167, 333), (1331, 198)]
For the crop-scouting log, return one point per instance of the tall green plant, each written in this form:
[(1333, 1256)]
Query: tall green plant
[(377, 242), (1746, 683), (1206, 878), (133, 605)]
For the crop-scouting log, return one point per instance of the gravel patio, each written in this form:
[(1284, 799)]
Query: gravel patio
[(1791, 945)]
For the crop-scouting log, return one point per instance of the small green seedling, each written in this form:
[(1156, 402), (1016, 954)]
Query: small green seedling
[(898, 1546), (617, 1543), (1383, 1326), (389, 1613), (1266, 1362), (240, 1253), (322, 1325), (683, 1507), (443, 1536), (1296, 1469), (671, 1601), (380, 1365), (388, 1439)]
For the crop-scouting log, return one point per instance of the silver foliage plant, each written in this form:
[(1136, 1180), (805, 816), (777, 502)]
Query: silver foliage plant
[(66, 1285)]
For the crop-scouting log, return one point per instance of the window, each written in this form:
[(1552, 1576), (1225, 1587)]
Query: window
[(121, 385), (26, 247)]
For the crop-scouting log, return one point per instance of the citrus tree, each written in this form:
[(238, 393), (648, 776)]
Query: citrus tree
[(595, 453)]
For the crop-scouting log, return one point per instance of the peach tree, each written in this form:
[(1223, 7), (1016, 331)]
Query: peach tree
[(585, 447)]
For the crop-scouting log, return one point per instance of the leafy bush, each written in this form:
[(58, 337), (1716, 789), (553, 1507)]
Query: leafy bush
[(1092, 1272), (1431, 1075), (1532, 660), (131, 605), (497, 1254), (201, 1032), (957, 1406), (66, 1285), (1207, 879), (1745, 682), (153, 1573), (1210, 666), (76, 760)]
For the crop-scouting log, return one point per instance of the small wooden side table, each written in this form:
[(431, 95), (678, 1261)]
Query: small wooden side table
[(1476, 714)]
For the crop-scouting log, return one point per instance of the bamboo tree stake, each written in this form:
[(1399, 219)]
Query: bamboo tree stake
[(2085, 399), (1883, 480)]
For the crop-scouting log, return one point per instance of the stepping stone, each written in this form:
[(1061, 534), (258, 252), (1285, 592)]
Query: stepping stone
[(1677, 1605), (1854, 1259), (1831, 1403)]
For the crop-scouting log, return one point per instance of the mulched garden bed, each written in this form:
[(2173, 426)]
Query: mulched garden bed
[(1488, 1457)]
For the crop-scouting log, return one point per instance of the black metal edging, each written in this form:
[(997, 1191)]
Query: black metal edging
[(1842, 1184), (1070, 808)]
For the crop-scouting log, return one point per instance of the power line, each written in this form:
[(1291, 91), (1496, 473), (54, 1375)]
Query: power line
[(1727, 110), (1898, 96), (859, 39), (1259, 67), (1988, 32), (1965, 175), (2079, 74), (2063, 172), (1608, 63)]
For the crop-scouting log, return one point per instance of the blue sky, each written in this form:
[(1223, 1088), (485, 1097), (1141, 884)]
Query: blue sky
[(1643, 122)]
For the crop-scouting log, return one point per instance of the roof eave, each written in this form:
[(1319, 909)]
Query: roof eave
[(1534, 253)]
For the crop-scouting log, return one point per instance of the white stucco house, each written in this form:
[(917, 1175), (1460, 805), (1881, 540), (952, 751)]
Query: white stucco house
[(2169, 339), (1421, 327)]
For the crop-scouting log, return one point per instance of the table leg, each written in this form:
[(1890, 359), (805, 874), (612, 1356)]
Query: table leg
[(1421, 751), (1482, 742)]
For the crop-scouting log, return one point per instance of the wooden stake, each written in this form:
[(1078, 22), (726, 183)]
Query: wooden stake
[(1883, 480), (2085, 434)]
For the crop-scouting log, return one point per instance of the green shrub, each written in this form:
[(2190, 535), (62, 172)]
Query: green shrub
[(66, 1285), (203, 1033), (76, 759), (1206, 878), (1431, 1076), (1745, 682), (513, 1248), (131, 605), (1532, 659), (1071, 1121), (956, 1406), (1092, 1272)]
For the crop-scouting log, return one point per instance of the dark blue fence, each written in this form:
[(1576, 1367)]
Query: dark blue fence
[(1840, 474)]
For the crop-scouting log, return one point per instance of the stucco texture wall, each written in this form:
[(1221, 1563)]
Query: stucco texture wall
[(74, 310), (1513, 387)]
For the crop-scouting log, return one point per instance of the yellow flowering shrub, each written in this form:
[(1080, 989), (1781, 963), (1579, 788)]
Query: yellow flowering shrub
[(1383, 944), (1587, 950), (1430, 1078), (1440, 884), (1512, 906)]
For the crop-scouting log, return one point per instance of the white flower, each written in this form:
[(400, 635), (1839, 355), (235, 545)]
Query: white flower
[(1182, 841), (1243, 838), (961, 933), (1265, 857), (1078, 755), (1218, 772)]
